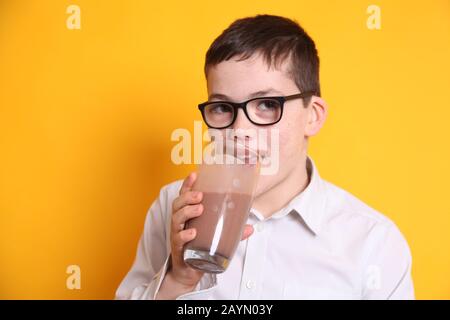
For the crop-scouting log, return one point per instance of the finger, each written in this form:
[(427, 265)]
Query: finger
[(182, 237), (186, 213), (187, 198), (248, 231), (188, 182)]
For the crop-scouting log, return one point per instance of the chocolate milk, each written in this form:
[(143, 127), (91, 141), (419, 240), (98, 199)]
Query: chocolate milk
[(220, 226)]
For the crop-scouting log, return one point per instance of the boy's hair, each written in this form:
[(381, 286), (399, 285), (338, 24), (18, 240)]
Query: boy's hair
[(276, 38)]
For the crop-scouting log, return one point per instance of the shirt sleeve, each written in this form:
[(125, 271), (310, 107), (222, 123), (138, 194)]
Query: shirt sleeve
[(152, 259), (387, 273)]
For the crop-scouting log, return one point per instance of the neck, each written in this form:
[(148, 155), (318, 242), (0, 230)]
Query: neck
[(279, 195)]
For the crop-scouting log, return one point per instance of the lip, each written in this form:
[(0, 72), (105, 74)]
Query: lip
[(242, 151), (247, 153), (249, 156)]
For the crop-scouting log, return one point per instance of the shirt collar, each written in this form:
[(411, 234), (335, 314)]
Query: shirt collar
[(308, 205)]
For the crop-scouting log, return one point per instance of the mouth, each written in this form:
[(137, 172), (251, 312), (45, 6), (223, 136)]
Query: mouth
[(244, 151), (248, 155)]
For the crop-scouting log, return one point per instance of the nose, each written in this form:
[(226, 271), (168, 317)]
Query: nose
[(241, 121), (242, 128)]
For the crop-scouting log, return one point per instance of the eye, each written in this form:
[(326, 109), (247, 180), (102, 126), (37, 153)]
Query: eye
[(268, 105), (219, 108)]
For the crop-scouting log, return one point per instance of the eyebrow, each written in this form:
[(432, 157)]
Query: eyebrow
[(260, 93)]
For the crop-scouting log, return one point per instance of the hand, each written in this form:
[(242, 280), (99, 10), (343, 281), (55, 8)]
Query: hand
[(187, 206)]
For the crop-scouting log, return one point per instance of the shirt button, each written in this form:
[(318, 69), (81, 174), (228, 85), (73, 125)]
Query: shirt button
[(260, 227), (250, 284)]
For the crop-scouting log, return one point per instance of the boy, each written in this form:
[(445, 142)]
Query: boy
[(306, 238)]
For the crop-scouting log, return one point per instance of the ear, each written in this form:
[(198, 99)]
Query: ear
[(317, 113)]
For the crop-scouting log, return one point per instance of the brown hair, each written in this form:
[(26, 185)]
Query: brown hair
[(276, 38)]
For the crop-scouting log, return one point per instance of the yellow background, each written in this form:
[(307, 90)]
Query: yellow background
[(86, 117)]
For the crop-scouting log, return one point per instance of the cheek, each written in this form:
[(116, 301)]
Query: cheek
[(291, 140), (292, 133), (289, 145)]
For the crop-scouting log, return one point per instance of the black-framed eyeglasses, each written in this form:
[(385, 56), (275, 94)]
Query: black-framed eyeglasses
[(262, 111)]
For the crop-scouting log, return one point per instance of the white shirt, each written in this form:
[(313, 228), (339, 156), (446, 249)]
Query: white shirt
[(325, 244)]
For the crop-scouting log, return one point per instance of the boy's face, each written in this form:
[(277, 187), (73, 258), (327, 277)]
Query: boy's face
[(236, 81)]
